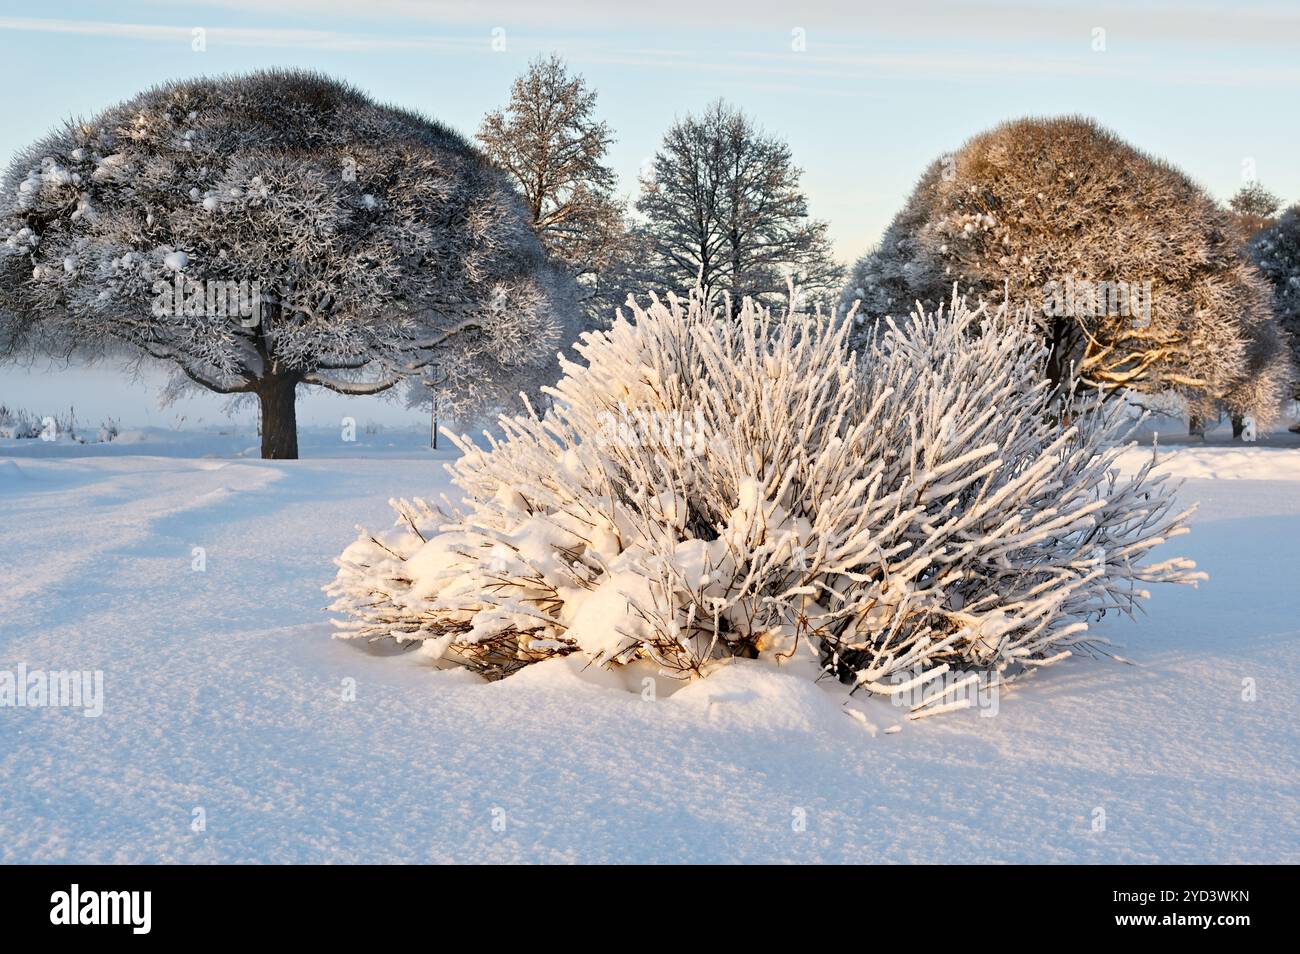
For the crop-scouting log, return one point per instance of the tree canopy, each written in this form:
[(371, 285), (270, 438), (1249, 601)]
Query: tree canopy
[(264, 231), (1135, 274)]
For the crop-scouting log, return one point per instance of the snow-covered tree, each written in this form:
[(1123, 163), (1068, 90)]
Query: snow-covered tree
[(1253, 208), (1269, 371), (1276, 253), (1133, 272), (1255, 398), (723, 209), (549, 141), (279, 229), (703, 489)]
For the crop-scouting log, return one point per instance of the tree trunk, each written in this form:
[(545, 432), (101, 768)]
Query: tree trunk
[(1238, 427), (1196, 426), (1058, 355), (279, 418)]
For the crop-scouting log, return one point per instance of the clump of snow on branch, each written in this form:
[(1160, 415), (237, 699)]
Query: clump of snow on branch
[(703, 487)]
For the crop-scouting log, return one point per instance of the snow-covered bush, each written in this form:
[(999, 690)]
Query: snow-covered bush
[(16, 424), (703, 487)]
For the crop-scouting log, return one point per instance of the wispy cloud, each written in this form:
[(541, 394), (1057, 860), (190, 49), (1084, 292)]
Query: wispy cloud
[(325, 40), (837, 62), (1250, 22)]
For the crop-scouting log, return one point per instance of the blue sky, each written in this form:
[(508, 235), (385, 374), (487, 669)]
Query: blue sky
[(875, 92)]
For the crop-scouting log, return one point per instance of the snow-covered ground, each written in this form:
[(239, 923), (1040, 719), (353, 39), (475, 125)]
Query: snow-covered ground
[(224, 692)]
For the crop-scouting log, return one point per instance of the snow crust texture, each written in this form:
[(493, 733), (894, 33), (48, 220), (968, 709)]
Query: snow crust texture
[(299, 748)]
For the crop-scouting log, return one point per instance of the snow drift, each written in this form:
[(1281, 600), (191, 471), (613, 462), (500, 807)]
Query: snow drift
[(705, 487)]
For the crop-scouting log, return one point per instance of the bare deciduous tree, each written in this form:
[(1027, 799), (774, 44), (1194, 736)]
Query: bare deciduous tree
[(723, 207), (1253, 208), (549, 141)]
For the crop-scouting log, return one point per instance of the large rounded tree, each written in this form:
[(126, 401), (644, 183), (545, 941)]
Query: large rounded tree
[(1134, 272), (274, 230)]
